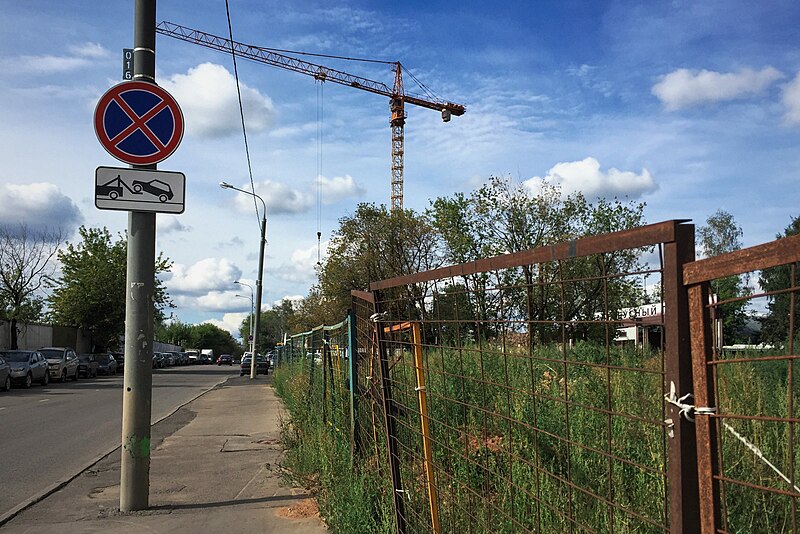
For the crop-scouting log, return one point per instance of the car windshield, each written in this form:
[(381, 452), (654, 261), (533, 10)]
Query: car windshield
[(16, 355), (52, 354)]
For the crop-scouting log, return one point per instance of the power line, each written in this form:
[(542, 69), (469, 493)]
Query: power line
[(241, 113)]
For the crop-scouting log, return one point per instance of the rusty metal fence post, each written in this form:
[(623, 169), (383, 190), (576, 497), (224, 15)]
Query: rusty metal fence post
[(682, 475), (389, 420)]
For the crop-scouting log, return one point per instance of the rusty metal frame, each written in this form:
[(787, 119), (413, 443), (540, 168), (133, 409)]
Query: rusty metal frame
[(697, 278)]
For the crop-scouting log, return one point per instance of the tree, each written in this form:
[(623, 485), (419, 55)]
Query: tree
[(376, 244), (721, 235), (90, 292), (25, 263), (272, 325), (209, 336), (775, 326), (504, 216)]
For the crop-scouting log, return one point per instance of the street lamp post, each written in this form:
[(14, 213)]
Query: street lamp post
[(252, 311), (225, 185)]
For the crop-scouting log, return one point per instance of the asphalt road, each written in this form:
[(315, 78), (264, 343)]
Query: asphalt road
[(49, 434)]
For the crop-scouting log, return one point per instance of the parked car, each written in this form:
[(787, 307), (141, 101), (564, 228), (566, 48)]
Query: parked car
[(225, 358), (106, 364), (158, 360), (169, 359), (27, 366), (62, 362), (262, 365), (87, 365), (194, 356), (178, 357), (5, 375)]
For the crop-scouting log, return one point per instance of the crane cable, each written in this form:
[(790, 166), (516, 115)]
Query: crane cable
[(320, 122), (241, 113)]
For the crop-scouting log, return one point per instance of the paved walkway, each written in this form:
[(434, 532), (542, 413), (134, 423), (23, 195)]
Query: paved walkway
[(214, 468)]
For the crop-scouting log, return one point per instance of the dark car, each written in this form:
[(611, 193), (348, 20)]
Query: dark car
[(226, 359), (62, 362), (262, 365), (87, 365), (155, 187), (5, 375), (27, 366), (106, 364)]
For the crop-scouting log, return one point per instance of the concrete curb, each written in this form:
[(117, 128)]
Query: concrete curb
[(11, 514)]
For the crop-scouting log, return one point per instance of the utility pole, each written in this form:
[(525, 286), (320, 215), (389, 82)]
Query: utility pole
[(134, 490)]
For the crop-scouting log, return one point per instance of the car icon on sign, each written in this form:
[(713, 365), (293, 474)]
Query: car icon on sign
[(155, 187)]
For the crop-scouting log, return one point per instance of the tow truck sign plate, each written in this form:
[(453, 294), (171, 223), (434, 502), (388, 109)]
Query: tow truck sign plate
[(126, 189)]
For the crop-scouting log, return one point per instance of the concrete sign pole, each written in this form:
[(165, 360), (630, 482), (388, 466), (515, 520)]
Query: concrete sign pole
[(134, 490)]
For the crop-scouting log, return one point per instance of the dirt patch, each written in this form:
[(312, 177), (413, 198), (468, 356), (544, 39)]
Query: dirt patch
[(302, 510)]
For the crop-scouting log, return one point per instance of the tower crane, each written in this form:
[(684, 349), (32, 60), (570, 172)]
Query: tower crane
[(396, 94)]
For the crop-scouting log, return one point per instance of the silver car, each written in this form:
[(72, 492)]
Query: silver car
[(5, 375), (27, 366), (63, 362)]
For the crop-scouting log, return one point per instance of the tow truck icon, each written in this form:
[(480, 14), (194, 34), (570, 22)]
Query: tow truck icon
[(116, 188)]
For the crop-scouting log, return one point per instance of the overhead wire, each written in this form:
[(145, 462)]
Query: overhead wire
[(320, 124), (241, 113)]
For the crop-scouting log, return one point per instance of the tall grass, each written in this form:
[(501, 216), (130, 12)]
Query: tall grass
[(352, 498), (563, 439)]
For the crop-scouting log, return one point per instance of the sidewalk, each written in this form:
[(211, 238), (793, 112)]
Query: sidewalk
[(214, 468)]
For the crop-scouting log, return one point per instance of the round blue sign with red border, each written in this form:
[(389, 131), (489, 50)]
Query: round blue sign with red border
[(138, 123)]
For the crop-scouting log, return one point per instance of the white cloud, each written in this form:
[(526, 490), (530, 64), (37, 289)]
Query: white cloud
[(302, 265), (81, 56), (279, 198), (338, 188), (585, 176), (791, 99), (166, 224), (683, 87), (208, 98), (230, 322), (89, 50), (205, 276), (39, 206)]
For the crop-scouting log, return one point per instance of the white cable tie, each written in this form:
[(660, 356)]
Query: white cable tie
[(419, 388), (375, 317), (688, 411)]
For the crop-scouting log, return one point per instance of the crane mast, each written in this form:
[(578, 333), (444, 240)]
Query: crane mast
[(396, 94)]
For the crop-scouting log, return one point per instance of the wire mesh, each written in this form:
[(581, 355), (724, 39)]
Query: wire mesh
[(752, 387), (545, 386)]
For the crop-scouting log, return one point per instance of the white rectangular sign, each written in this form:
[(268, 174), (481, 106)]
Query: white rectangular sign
[(127, 189)]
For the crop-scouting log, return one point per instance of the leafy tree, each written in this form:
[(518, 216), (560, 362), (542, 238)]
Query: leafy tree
[(376, 244), (272, 325), (25, 263), (90, 292), (209, 336), (174, 332), (721, 235), (504, 216), (775, 326)]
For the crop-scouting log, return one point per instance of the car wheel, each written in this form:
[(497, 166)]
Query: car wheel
[(7, 384), (45, 379), (241, 374), (63, 376), (28, 380), (137, 188)]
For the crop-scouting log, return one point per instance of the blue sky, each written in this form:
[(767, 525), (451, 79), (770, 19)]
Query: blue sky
[(688, 106)]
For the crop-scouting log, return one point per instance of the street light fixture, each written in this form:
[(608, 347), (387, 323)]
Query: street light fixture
[(225, 185)]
